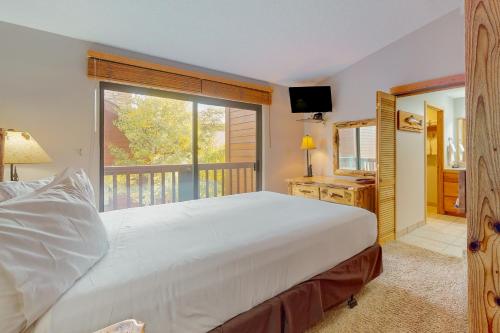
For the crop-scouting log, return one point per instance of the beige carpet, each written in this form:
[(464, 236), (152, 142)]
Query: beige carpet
[(419, 291)]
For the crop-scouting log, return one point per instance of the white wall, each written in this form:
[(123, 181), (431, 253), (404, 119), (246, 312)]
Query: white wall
[(433, 51), (459, 107), (410, 160), (281, 142), (44, 90)]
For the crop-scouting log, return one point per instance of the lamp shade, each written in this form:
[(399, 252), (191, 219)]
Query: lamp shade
[(22, 148), (307, 143)]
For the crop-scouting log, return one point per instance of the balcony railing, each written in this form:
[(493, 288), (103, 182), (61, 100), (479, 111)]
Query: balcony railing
[(142, 185)]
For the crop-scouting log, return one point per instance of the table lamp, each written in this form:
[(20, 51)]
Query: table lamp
[(21, 148), (308, 143)]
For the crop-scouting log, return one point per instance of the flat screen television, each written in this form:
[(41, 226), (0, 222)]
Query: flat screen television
[(311, 99)]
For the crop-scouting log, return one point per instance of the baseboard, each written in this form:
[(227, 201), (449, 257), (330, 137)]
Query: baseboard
[(409, 229)]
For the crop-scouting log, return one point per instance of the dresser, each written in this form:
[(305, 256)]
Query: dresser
[(333, 189)]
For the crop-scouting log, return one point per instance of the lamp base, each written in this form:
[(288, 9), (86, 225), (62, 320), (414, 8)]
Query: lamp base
[(309, 171), (13, 173)]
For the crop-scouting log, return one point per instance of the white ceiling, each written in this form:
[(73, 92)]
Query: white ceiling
[(280, 41)]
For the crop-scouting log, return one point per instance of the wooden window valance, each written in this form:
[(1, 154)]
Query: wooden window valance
[(113, 68)]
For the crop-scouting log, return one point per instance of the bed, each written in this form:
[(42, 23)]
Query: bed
[(222, 264)]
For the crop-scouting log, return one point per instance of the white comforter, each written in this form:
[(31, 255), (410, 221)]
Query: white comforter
[(191, 266)]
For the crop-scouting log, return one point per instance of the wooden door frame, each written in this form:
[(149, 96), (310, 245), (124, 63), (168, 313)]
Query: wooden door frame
[(424, 87), (439, 157), (482, 51), (427, 86)]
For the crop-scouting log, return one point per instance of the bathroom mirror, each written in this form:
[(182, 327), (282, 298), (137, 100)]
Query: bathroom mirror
[(355, 148)]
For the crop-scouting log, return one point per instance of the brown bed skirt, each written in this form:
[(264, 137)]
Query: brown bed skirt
[(304, 305)]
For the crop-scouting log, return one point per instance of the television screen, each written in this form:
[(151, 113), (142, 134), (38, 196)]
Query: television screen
[(311, 99)]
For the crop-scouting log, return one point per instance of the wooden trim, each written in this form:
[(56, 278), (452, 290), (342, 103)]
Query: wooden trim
[(421, 87), (439, 155), (349, 124), (482, 19), (119, 69), (2, 153), (440, 160)]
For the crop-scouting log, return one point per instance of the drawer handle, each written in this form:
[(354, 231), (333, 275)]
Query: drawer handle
[(336, 195), (305, 191)]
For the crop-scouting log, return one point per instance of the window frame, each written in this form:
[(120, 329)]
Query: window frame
[(196, 100)]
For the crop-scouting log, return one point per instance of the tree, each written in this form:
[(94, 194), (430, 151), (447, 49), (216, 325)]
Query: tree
[(159, 131)]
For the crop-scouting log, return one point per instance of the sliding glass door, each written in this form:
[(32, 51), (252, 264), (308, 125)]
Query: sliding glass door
[(160, 147)]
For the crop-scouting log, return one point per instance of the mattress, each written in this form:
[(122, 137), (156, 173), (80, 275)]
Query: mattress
[(191, 266)]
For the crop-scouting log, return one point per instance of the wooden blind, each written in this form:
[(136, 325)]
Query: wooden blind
[(112, 68), (386, 171)]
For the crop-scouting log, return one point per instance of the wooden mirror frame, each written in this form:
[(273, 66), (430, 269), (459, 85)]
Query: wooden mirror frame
[(349, 124)]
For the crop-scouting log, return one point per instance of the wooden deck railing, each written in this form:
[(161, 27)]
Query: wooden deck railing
[(141, 185)]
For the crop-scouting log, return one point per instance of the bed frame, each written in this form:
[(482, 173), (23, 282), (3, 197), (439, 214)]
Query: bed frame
[(300, 307), (304, 305)]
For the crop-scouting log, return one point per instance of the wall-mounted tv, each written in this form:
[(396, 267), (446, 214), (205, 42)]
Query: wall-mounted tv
[(311, 99)]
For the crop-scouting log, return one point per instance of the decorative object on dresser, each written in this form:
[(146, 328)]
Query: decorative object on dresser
[(308, 143), (355, 148), (19, 147), (332, 189), (410, 122)]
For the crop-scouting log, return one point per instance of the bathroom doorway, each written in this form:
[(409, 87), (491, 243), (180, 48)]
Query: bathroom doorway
[(434, 129), (432, 165)]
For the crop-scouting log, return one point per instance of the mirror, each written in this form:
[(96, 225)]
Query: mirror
[(461, 141), (355, 148)]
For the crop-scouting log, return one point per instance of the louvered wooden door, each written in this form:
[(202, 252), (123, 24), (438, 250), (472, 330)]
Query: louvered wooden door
[(386, 171)]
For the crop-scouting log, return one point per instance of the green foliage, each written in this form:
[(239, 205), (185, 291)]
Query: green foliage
[(159, 131)]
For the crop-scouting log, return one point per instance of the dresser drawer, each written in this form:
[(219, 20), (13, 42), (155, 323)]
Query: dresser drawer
[(449, 205), (450, 189), (450, 177), (337, 195), (306, 191)]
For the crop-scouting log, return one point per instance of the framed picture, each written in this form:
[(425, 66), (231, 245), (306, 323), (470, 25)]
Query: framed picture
[(410, 122)]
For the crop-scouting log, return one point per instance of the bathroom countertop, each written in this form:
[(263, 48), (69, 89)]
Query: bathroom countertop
[(454, 169)]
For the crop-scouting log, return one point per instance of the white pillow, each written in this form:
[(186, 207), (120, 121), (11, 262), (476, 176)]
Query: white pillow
[(48, 240), (9, 190)]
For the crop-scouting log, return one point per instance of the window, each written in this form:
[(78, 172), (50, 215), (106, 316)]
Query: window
[(161, 147)]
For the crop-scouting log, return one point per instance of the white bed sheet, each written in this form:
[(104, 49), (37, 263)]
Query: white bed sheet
[(191, 266)]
